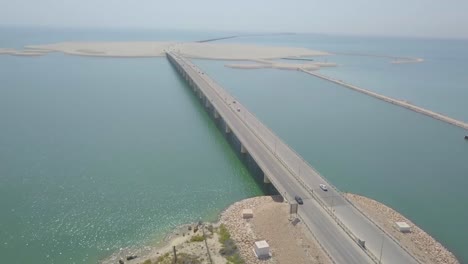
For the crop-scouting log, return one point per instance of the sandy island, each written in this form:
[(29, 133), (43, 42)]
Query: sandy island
[(289, 240), (217, 51), (262, 56)]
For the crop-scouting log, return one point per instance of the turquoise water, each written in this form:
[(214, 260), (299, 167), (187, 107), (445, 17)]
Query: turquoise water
[(439, 83), (406, 160), (98, 154)]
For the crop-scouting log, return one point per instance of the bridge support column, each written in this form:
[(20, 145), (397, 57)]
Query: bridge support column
[(265, 179), (207, 102), (228, 129), (200, 94), (243, 149), (215, 113)]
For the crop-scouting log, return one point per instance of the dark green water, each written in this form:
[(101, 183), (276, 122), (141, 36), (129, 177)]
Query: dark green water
[(414, 164), (99, 154)]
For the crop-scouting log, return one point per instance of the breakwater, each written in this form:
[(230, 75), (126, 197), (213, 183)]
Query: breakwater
[(394, 101)]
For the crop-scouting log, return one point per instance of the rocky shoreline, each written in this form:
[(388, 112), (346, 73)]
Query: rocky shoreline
[(423, 246), (289, 240)]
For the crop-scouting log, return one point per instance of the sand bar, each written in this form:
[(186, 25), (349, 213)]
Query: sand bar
[(394, 59), (217, 51), (264, 64), (25, 52)]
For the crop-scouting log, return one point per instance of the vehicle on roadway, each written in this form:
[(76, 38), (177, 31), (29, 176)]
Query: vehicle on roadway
[(323, 187), (298, 199)]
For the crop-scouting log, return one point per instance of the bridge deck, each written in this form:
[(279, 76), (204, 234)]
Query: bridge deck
[(335, 228)]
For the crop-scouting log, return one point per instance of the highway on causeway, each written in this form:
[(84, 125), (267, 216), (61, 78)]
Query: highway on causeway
[(326, 226)]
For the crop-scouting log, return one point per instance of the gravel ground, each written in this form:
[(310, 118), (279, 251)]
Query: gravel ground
[(289, 240)]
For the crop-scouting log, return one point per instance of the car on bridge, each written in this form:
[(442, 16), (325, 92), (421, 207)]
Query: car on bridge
[(298, 199), (323, 187)]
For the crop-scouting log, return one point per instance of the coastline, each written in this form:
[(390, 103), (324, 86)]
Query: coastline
[(422, 245), (288, 239)]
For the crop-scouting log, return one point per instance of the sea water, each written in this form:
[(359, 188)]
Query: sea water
[(99, 154)]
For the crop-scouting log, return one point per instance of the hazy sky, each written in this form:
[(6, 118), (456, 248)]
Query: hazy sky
[(436, 18)]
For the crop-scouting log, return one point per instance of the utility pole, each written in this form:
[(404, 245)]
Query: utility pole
[(299, 167)]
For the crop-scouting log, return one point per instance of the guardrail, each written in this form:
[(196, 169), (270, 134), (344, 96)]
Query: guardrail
[(286, 155), (318, 242), (279, 149)]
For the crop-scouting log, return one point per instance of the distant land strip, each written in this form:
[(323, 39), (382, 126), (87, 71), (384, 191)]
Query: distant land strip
[(246, 35), (215, 39), (298, 59), (395, 59), (394, 101)]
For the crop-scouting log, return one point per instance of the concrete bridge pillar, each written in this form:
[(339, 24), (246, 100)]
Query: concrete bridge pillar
[(200, 94), (228, 129), (207, 102), (243, 149), (216, 114), (266, 179)]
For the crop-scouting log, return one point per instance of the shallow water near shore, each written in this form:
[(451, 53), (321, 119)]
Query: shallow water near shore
[(102, 154), (99, 154)]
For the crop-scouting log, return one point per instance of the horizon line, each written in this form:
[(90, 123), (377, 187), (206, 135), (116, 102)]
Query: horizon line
[(238, 31)]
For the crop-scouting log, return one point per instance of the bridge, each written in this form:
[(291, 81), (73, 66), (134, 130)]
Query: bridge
[(337, 225)]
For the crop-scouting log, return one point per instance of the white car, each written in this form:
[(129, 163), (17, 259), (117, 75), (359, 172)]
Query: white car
[(323, 187)]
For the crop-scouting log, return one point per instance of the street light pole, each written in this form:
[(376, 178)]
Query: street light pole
[(299, 168), (381, 249), (275, 146), (333, 196)]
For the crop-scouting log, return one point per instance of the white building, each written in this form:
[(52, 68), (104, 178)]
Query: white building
[(262, 249), (247, 213), (403, 227)]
